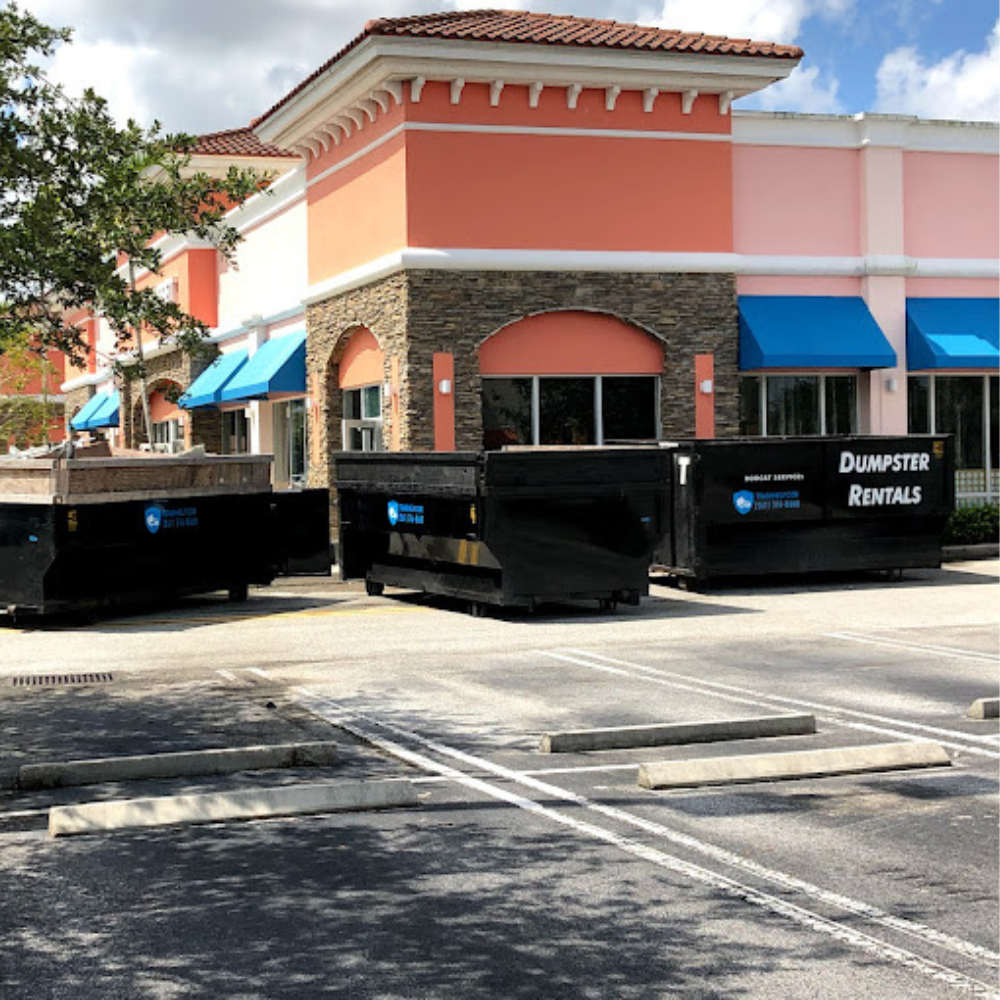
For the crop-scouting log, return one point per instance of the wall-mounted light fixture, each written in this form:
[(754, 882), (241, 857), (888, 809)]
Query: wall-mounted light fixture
[(444, 387), (705, 387), (892, 385)]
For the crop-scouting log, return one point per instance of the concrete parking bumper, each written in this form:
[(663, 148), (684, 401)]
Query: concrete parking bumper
[(185, 764), (629, 737), (291, 800), (984, 708), (797, 764)]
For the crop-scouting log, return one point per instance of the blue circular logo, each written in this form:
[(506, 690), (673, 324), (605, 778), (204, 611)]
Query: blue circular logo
[(393, 512), (153, 518)]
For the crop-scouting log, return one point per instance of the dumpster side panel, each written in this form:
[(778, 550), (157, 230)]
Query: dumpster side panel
[(301, 533), (27, 549)]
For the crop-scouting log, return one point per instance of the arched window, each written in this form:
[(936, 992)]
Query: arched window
[(570, 378), (360, 379)]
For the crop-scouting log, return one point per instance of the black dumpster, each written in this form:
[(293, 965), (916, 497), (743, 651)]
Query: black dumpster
[(73, 551), (750, 507), (513, 528)]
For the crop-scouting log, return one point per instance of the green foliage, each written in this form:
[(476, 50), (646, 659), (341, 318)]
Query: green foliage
[(82, 195), (26, 416), (973, 525)]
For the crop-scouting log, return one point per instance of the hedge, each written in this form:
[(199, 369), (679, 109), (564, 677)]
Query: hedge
[(973, 525)]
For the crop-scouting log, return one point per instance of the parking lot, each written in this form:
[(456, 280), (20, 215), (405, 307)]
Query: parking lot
[(518, 873)]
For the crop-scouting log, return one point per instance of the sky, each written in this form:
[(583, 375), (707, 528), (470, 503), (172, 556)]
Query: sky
[(199, 66)]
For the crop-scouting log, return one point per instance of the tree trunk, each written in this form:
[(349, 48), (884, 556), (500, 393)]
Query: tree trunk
[(143, 391)]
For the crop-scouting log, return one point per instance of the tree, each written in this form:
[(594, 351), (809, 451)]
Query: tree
[(27, 408), (83, 201)]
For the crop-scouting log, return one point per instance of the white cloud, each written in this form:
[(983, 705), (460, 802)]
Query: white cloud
[(804, 90), (762, 20), (963, 85)]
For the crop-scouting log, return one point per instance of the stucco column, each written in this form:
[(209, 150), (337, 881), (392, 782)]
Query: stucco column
[(882, 243)]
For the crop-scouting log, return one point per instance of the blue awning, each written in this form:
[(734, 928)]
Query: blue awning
[(206, 389), (805, 331), (952, 333), (101, 410), (277, 366)]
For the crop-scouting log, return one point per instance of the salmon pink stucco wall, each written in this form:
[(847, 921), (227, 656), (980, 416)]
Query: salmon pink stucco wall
[(951, 205), (362, 363), (792, 200), (570, 343)]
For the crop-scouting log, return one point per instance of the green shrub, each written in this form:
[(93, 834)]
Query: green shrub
[(973, 525)]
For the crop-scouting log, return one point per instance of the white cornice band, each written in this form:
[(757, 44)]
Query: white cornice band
[(91, 378), (425, 259)]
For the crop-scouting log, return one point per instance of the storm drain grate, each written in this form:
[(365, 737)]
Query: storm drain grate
[(52, 680)]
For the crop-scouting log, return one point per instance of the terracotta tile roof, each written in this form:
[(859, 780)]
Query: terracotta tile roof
[(233, 142), (549, 29)]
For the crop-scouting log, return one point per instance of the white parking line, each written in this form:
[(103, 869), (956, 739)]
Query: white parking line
[(947, 651), (950, 738), (365, 727)]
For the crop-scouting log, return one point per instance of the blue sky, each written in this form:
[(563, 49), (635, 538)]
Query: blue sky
[(203, 65)]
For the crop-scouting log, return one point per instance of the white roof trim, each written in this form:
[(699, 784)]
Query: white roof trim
[(378, 61), (466, 259)]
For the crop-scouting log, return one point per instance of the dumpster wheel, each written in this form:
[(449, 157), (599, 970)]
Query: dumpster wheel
[(607, 604), (374, 589)]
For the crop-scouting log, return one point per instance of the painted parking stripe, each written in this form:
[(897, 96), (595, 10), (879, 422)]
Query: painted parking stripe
[(950, 738), (920, 647), (365, 727)]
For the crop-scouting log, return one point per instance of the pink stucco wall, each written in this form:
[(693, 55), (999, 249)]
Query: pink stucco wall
[(792, 200), (951, 205)]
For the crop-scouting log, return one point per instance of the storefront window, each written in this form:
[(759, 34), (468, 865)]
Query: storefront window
[(918, 404), (290, 443), (506, 412), (168, 435), (629, 407), (363, 418), (840, 404), (967, 407), (792, 405), (798, 405), (235, 432), (565, 411), (750, 415)]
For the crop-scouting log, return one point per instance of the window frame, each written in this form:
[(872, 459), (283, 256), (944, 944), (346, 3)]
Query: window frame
[(371, 425), (762, 378), (598, 380)]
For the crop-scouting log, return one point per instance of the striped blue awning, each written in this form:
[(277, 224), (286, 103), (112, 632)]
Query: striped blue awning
[(206, 389)]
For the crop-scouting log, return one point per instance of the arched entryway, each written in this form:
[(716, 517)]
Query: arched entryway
[(168, 419), (570, 378), (360, 378)]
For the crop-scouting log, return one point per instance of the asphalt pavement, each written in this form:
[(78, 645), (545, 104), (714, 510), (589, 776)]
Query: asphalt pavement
[(521, 874)]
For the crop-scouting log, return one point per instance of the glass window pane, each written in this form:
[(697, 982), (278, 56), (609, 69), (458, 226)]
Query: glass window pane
[(567, 411), (371, 402), (750, 406), (506, 412), (918, 402), (792, 405), (958, 410), (297, 455), (352, 404), (355, 439), (841, 404), (629, 407)]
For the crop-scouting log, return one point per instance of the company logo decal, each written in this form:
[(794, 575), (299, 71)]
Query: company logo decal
[(169, 518), (743, 501), (154, 518), (405, 513)]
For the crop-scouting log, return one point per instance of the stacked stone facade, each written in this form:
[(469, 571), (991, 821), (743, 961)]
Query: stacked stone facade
[(415, 314)]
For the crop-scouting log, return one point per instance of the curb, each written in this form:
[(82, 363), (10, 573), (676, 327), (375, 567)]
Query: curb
[(967, 553), (175, 765), (292, 800), (984, 708), (798, 764), (627, 737)]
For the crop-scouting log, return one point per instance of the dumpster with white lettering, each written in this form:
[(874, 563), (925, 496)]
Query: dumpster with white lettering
[(750, 507)]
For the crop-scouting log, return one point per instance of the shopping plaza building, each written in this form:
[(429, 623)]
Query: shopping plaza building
[(491, 228)]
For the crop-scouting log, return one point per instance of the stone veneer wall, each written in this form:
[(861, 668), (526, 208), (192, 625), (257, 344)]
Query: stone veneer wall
[(417, 313), (203, 427), (74, 401), (414, 314)]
